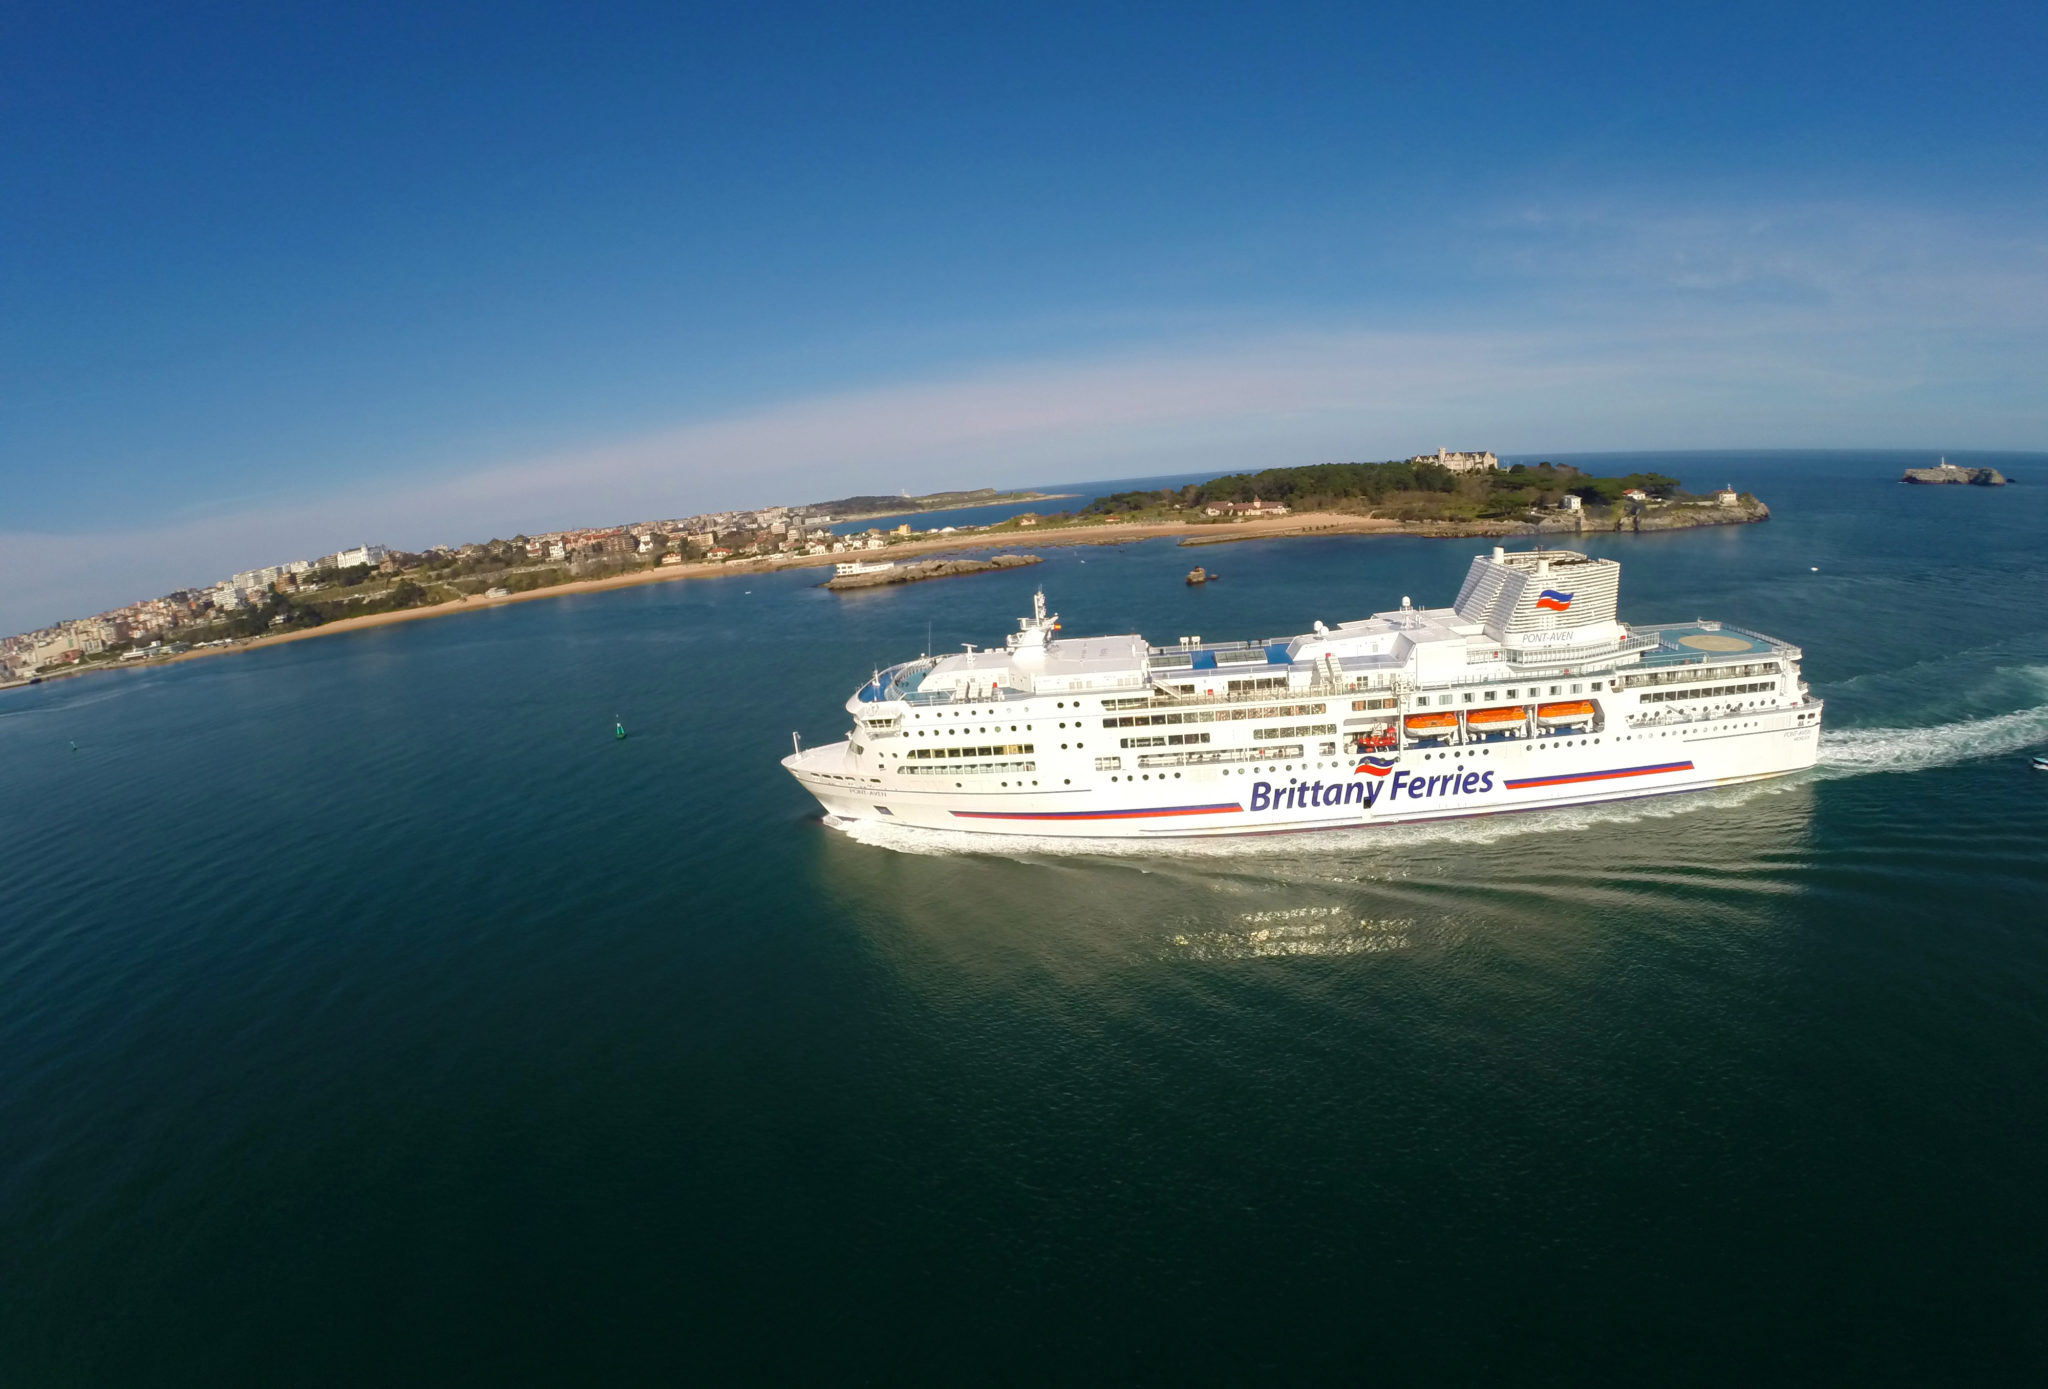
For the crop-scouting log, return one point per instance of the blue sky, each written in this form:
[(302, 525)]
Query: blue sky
[(274, 280)]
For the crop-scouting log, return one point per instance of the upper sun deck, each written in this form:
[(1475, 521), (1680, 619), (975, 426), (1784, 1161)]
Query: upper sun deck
[(1520, 616)]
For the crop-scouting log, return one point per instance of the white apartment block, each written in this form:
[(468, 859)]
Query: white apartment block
[(1459, 462)]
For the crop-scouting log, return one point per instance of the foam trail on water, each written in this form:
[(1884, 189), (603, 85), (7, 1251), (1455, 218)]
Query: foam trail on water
[(1853, 751)]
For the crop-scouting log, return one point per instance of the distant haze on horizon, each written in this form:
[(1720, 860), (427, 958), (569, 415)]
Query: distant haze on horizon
[(279, 282)]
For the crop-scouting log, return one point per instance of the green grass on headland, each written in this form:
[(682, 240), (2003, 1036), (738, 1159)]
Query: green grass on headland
[(1400, 492)]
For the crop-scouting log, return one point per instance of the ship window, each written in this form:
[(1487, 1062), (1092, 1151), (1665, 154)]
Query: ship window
[(1468, 696), (1490, 694)]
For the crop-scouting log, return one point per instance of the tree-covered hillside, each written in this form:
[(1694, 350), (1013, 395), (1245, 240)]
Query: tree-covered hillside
[(1400, 491)]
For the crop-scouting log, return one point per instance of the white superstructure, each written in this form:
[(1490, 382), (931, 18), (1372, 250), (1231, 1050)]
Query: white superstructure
[(1527, 693)]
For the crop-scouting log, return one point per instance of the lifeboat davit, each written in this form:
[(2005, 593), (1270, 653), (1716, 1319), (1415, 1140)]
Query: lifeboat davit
[(1506, 716), (1431, 725), (1570, 711)]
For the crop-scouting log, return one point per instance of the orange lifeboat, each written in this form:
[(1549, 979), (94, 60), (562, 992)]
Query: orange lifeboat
[(1431, 725), (1501, 716), (1569, 711)]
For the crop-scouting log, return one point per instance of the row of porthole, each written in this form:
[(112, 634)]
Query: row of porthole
[(1069, 781), (976, 713)]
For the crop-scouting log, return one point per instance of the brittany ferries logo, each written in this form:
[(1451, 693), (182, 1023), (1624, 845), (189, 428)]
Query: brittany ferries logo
[(1554, 601), (1303, 795)]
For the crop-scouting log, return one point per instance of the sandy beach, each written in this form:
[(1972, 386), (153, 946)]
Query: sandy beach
[(1102, 533), (1106, 533)]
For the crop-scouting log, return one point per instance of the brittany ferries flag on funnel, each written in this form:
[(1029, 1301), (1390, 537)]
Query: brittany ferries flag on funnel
[(1557, 602), (1375, 766)]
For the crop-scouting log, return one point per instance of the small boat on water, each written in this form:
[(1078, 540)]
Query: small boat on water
[(2041, 761), (1198, 575)]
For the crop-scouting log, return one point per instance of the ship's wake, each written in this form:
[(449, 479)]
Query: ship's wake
[(1858, 751)]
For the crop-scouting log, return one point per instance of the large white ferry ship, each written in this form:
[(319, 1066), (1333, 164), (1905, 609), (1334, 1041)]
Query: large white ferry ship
[(1525, 694)]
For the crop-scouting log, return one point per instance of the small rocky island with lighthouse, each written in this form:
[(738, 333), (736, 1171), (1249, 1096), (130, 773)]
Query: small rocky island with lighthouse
[(1949, 473)]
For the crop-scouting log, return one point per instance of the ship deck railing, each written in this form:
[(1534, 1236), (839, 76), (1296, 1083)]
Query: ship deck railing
[(1669, 650)]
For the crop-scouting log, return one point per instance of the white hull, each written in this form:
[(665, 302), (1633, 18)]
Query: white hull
[(1533, 774)]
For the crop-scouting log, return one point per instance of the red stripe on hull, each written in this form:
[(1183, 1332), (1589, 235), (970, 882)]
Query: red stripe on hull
[(1224, 809), (1597, 776)]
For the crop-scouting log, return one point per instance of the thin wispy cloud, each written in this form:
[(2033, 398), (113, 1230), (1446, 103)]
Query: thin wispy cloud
[(1619, 326)]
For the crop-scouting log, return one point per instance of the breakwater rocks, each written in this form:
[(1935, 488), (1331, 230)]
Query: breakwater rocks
[(1951, 475), (927, 569), (1639, 516)]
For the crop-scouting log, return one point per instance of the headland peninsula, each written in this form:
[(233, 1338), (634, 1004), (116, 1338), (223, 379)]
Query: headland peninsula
[(874, 508), (1460, 497)]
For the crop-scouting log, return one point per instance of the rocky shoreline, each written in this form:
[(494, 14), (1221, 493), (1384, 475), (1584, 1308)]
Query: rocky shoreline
[(1949, 474), (928, 569)]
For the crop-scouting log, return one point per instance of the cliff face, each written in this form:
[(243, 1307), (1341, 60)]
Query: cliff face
[(1670, 516), (1952, 475)]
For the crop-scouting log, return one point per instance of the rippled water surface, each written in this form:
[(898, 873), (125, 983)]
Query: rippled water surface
[(371, 1014)]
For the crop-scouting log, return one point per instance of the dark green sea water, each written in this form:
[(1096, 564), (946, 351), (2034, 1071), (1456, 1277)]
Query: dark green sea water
[(369, 1015)]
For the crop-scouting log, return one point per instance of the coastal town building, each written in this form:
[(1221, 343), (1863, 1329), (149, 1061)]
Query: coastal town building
[(1254, 507), (361, 554), (1459, 462)]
